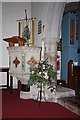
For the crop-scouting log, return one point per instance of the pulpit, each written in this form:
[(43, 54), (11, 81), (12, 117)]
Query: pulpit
[(21, 57)]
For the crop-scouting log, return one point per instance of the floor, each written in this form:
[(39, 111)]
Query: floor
[(71, 103), (14, 107)]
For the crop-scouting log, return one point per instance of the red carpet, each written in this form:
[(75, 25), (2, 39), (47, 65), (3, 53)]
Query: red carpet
[(14, 107)]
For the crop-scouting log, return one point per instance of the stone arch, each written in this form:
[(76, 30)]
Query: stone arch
[(54, 19)]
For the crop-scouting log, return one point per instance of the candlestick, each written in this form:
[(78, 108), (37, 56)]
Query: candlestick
[(42, 53), (19, 27)]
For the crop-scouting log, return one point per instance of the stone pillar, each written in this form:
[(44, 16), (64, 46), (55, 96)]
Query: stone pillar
[(51, 53)]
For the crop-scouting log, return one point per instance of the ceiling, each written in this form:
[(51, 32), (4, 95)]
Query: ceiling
[(39, 0)]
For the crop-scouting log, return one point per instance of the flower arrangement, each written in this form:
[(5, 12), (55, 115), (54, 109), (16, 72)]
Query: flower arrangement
[(42, 72)]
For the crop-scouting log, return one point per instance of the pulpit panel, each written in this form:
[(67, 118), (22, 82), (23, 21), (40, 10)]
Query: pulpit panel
[(21, 58)]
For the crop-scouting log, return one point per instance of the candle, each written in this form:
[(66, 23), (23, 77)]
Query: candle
[(42, 53)]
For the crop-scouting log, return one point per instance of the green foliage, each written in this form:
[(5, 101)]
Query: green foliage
[(42, 72)]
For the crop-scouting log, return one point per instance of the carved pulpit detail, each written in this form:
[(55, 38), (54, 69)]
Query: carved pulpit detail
[(16, 61), (32, 61)]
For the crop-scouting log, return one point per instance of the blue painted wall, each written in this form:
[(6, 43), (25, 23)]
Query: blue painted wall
[(79, 39), (69, 51)]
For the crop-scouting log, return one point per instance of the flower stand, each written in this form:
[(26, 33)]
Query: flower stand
[(41, 94)]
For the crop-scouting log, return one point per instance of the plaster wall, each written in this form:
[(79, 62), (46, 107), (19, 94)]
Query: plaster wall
[(50, 13), (1, 33), (39, 11)]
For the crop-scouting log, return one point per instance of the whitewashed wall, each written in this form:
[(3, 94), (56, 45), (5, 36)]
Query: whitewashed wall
[(1, 34), (39, 11)]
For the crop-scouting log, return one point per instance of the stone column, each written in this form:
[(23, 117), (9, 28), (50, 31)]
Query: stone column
[(51, 52)]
